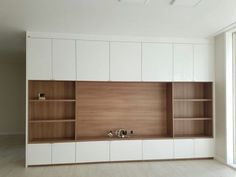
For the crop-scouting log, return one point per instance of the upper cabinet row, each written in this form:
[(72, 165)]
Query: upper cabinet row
[(59, 59)]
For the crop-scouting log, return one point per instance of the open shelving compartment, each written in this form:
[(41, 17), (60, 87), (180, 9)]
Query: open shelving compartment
[(138, 106), (80, 110), (52, 119), (192, 109)]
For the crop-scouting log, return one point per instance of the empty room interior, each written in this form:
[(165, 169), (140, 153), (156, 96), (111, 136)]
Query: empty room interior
[(118, 88)]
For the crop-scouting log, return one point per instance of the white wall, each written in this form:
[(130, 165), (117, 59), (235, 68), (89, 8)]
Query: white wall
[(220, 97), (12, 97)]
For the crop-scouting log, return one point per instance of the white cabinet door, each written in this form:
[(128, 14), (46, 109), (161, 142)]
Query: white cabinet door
[(92, 60), (97, 151), (39, 154), (157, 62), (39, 59), (204, 62), (63, 153), (183, 62), (125, 61), (184, 148), (64, 61), (158, 149), (126, 150), (204, 148)]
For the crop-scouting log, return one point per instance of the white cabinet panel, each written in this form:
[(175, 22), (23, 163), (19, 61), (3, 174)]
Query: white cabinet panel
[(204, 62), (158, 149), (204, 148), (64, 65), (157, 62), (183, 62), (63, 153), (184, 148), (39, 59), (39, 154), (92, 60), (125, 61), (97, 151), (126, 150)]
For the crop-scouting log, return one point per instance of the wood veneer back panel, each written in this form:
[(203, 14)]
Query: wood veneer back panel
[(52, 89), (199, 128), (192, 90), (193, 109), (51, 110), (47, 131), (104, 106)]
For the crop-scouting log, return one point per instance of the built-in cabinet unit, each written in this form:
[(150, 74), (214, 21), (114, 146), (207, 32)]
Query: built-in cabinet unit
[(51, 59), (204, 148), (183, 62), (183, 148), (126, 150), (39, 62), (158, 149), (77, 115), (157, 62), (63, 59), (92, 60), (203, 62), (39, 154), (92, 151), (162, 92), (63, 153), (125, 61)]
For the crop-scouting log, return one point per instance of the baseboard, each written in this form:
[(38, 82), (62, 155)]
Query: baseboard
[(220, 159), (12, 133)]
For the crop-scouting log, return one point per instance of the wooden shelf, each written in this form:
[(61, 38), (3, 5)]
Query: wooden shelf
[(52, 140), (132, 137), (52, 121), (192, 118), (52, 100), (191, 136), (192, 100)]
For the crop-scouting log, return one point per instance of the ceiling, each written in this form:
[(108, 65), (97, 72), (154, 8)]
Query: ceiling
[(109, 17)]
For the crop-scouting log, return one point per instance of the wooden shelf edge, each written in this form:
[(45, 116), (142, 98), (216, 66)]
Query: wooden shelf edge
[(52, 121), (191, 100), (191, 118), (51, 140), (56, 100), (60, 140), (191, 137)]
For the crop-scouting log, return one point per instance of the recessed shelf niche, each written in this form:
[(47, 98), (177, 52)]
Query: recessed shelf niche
[(52, 119), (80, 110), (141, 107), (192, 110)]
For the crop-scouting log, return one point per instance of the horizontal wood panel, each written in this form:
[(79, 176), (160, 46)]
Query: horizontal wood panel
[(141, 128), (192, 109), (192, 90), (104, 106), (52, 89), (41, 131), (51, 110), (183, 128)]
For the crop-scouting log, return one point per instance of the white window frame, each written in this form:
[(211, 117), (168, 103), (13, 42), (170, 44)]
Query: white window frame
[(234, 98)]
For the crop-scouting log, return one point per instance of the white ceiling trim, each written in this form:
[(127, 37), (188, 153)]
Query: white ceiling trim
[(120, 38), (229, 28)]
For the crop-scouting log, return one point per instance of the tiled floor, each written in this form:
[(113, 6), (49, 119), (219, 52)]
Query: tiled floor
[(12, 165)]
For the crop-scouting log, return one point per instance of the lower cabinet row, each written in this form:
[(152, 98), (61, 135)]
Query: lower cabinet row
[(120, 150)]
